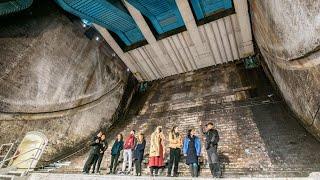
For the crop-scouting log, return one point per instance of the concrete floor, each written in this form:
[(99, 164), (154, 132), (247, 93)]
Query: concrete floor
[(42, 176)]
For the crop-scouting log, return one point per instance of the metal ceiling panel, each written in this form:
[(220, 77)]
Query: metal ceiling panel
[(107, 15), (7, 7), (163, 14), (205, 8)]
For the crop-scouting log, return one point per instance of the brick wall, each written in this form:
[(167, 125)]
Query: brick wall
[(257, 135)]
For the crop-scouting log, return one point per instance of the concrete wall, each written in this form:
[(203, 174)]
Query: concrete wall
[(288, 36), (55, 80)]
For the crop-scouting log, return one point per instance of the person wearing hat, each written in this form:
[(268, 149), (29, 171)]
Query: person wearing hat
[(212, 139)]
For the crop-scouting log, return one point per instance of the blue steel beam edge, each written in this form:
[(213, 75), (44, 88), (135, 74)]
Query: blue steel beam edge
[(76, 12), (127, 22), (11, 6), (203, 8), (149, 15), (71, 10), (155, 18), (197, 9)]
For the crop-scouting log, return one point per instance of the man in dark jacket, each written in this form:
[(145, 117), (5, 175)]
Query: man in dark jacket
[(94, 152), (212, 139), (103, 146)]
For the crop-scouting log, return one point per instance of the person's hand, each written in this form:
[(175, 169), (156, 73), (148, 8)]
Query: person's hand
[(185, 154), (97, 140)]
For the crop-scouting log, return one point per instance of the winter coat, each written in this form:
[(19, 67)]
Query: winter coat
[(95, 145), (103, 146), (175, 141), (139, 150), (212, 138), (130, 142), (192, 149), (117, 147), (156, 139)]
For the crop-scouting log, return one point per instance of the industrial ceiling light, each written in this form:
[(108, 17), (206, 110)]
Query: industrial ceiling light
[(85, 23), (97, 38)]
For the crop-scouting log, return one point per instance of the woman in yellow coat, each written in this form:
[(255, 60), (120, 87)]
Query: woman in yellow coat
[(175, 145), (156, 153)]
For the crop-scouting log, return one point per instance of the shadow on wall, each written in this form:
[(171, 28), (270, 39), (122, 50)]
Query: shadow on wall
[(288, 37)]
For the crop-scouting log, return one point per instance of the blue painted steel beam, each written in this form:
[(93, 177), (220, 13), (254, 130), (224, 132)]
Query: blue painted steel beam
[(205, 8), (14, 6), (104, 13), (163, 14)]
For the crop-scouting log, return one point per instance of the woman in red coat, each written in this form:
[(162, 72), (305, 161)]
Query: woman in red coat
[(157, 150)]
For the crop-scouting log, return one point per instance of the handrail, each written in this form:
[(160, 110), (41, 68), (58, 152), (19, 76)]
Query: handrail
[(7, 153), (20, 155), (6, 144), (33, 158)]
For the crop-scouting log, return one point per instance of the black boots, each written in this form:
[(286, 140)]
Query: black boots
[(215, 170), (154, 171)]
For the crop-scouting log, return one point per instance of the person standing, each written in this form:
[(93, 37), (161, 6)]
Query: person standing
[(192, 150), (103, 146), (175, 145), (156, 153), (94, 153), (212, 139), (115, 153), (129, 145), (139, 152)]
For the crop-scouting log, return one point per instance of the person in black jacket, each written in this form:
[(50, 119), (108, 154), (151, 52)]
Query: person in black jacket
[(103, 146), (115, 153), (139, 152), (212, 139), (94, 152)]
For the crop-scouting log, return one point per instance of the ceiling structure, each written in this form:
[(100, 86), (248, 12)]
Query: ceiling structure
[(10, 6), (160, 38)]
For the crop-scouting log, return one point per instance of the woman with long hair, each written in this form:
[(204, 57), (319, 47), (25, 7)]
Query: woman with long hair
[(192, 150), (139, 152), (115, 153), (175, 145), (156, 154)]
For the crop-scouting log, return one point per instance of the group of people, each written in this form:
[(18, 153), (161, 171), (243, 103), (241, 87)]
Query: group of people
[(133, 150)]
